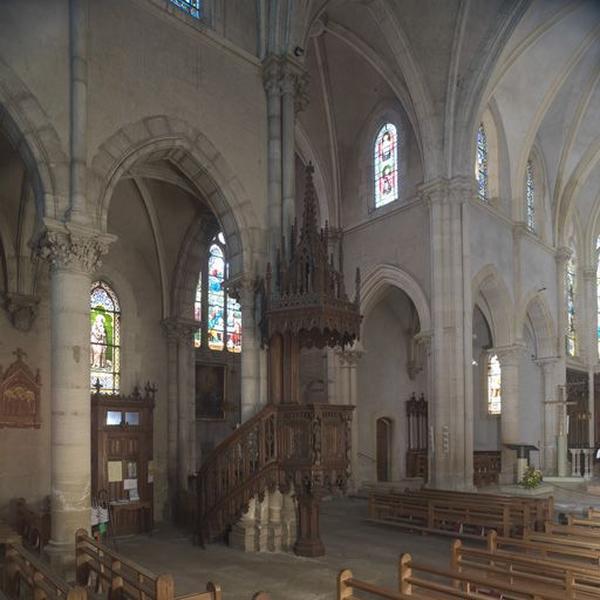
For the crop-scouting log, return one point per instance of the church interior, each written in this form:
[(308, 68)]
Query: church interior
[(299, 299)]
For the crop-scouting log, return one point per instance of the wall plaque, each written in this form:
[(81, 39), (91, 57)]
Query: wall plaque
[(19, 395)]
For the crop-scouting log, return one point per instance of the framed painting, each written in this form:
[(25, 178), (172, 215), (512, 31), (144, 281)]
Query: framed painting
[(211, 391)]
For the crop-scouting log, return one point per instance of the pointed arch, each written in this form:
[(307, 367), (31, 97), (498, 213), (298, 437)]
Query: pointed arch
[(381, 277), (535, 308), (192, 153), (492, 294)]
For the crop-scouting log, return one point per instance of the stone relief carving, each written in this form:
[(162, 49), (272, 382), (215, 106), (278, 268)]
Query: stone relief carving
[(19, 395)]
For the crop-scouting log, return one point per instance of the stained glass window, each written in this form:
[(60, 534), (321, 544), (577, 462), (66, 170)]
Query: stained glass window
[(192, 7), (571, 292), (386, 165), (223, 313), (105, 338), (198, 312), (530, 196), (216, 297), (494, 385), (481, 164)]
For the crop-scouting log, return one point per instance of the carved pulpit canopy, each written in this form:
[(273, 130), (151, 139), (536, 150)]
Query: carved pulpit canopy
[(19, 395), (305, 293)]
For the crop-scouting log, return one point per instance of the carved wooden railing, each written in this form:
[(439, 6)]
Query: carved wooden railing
[(242, 466), (304, 445)]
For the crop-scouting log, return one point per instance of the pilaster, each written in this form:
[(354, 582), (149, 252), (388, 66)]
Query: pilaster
[(451, 421)]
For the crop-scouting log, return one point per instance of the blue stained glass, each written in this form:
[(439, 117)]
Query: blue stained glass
[(386, 165), (198, 312), (481, 164), (192, 7)]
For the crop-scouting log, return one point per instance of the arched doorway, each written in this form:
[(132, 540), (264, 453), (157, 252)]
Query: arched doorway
[(384, 441)]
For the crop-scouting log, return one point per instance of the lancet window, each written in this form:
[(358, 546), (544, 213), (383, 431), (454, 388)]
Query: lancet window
[(386, 165), (530, 195), (571, 293), (494, 385), (481, 165), (192, 7)]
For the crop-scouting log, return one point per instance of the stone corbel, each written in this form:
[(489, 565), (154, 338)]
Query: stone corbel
[(21, 310), (180, 329), (419, 347)]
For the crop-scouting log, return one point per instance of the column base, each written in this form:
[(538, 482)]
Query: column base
[(61, 557), (311, 548)]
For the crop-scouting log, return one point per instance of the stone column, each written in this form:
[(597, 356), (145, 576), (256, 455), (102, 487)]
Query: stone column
[(275, 529), (348, 394), (78, 55), (181, 397), (551, 416), (74, 254), (590, 330), (252, 400), (451, 405), (272, 85), (510, 417)]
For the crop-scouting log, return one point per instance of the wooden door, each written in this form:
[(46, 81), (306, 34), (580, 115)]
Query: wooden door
[(384, 431)]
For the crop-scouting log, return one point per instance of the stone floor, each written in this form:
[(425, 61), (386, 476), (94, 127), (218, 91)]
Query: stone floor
[(371, 551)]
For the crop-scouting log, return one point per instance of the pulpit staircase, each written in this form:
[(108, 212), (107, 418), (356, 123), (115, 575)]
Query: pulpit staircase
[(301, 447), (289, 444)]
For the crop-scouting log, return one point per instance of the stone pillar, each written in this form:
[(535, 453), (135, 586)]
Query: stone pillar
[(252, 399), (288, 521), (590, 332), (74, 254), (275, 529), (181, 398), (451, 405), (261, 520), (510, 418), (348, 394), (78, 54), (274, 207), (551, 416), (243, 533)]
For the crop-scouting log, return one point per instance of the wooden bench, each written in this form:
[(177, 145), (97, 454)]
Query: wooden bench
[(586, 535), (530, 573), (33, 525), (574, 521), (593, 513), (22, 568), (538, 509), (562, 537), (105, 572), (545, 548), (423, 582), (451, 514)]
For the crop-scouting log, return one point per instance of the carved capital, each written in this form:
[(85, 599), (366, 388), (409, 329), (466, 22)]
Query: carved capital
[(73, 248), (178, 329), (243, 288), (349, 357), (509, 355), (562, 255)]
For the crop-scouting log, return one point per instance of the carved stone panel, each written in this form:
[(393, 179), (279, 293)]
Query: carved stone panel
[(19, 395)]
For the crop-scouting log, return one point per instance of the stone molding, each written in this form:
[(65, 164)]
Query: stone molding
[(282, 76), (70, 247), (179, 329), (509, 355), (562, 255), (457, 190)]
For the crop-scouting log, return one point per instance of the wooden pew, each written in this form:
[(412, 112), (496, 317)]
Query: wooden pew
[(530, 573), (593, 513), (33, 525), (539, 509), (451, 515), (118, 578), (22, 568), (574, 521), (576, 531), (424, 581), (545, 549)]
